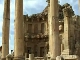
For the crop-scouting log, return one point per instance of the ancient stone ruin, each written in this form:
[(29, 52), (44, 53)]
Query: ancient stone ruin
[(52, 34)]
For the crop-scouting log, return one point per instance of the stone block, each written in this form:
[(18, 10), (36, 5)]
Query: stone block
[(58, 58), (31, 56)]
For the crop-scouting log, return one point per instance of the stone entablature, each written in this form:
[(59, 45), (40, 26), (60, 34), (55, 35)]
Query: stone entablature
[(36, 17)]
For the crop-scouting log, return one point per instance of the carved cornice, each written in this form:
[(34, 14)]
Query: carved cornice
[(67, 11), (37, 17), (37, 36), (43, 16)]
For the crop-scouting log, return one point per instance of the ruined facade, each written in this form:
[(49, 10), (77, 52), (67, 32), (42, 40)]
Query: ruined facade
[(36, 32), (53, 33)]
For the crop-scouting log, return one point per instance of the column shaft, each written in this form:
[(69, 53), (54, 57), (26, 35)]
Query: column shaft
[(54, 44), (5, 29), (19, 33), (67, 30)]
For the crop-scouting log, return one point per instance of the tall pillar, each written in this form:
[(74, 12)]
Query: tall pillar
[(5, 29), (48, 17), (54, 44), (19, 33), (67, 31)]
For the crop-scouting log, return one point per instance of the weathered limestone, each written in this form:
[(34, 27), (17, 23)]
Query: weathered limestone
[(9, 57), (54, 44), (5, 29), (67, 33), (31, 56), (39, 29), (70, 57), (62, 47), (19, 33), (45, 29), (32, 29), (66, 28), (48, 13), (25, 56), (58, 58)]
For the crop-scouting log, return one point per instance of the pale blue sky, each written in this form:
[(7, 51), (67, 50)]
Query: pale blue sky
[(29, 7)]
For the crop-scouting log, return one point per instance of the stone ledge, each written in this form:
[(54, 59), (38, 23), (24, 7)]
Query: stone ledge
[(69, 56)]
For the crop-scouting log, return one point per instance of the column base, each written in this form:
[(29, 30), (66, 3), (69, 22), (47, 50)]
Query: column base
[(3, 58), (19, 58)]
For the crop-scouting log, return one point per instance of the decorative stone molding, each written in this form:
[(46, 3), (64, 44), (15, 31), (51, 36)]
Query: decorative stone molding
[(36, 36), (67, 12)]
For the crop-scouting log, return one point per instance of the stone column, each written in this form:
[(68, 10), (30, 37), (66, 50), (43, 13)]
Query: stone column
[(54, 44), (19, 33), (48, 17), (5, 29), (67, 33)]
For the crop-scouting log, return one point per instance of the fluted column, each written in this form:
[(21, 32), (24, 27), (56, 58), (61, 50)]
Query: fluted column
[(54, 44), (19, 33), (5, 29)]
